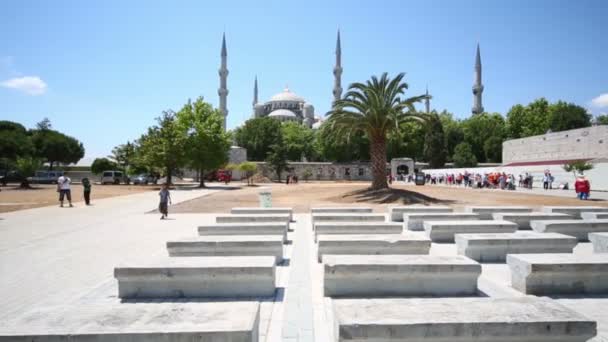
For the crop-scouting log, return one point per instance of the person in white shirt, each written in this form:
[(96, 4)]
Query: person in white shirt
[(63, 187)]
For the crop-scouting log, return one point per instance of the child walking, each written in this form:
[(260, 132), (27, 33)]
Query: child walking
[(86, 185), (165, 200)]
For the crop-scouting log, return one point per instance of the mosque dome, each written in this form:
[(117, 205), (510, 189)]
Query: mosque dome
[(283, 114), (286, 96)]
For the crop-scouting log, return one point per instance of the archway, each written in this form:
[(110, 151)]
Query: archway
[(403, 170)]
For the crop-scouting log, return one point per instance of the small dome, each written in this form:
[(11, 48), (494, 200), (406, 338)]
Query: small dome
[(282, 113), (286, 96)]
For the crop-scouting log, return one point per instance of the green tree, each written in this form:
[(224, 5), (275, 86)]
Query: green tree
[(340, 148), (26, 167), (453, 132), (578, 166), (249, 169), (463, 156), (376, 108), (298, 140), (492, 148), (164, 146), (564, 116), (100, 165), (434, 142), (207, 143), (257, 135), (55, 147), (478, 129), (14, 143), (123, 155), (602, 119), (525, 121), (277, 159)]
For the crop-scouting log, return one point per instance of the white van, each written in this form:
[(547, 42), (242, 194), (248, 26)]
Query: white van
[(46, 177), (113, 177)]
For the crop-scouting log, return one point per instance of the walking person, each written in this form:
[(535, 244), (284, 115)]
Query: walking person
[(86, 185), (582, 188), (165, 200), (63, 187), (546, 178)]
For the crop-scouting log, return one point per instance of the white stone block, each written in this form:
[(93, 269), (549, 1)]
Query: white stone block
[(594, 216), (228, 245), (248, 218), (341, 210), (373, 244), (545, 274), (580, 229), (352, 217), (416, 221), (495, 247), (327, 228), (399, 275), (268, 228), (140, 322), (444, 231), (523, 219), (260, 210), (186, 277), (485, 212), (574, 211), (600, 242), (526, 319), (396, 213)]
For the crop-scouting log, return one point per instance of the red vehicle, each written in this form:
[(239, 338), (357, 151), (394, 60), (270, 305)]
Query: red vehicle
[(224, 176)]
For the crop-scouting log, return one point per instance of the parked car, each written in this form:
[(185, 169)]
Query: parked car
[(114, 177), (46, 177), (10, 177), (144, 179)]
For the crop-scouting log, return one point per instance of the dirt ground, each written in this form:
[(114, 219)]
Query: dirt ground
[(305, 195), (13, 198)]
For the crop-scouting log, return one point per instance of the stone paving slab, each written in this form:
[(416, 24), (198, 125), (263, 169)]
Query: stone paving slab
[(444, 231), (396, 213), (594, 216), (575, 211), (259, 210), (333, 228), (228, 245), (248, 218), (485, 212), (600, 242), (580, 229), (251, 228), (348, 217), (372, 244), (523, 219), (415, 222), (343, 210)]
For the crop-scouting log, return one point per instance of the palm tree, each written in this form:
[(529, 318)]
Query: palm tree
[(377, 108)]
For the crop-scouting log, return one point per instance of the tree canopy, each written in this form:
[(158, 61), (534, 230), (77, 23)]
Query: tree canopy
[(55, 147), (103, 164), (464, 156), (257, 135)]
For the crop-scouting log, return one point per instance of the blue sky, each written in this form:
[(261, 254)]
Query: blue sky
[(102, 71)]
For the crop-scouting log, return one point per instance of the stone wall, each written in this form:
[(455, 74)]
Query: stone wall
[(324, 171), (583, 143)]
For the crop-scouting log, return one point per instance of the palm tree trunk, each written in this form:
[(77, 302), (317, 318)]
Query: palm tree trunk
[(378, 156)]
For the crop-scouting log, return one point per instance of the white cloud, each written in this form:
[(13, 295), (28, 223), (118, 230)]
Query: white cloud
[(600, 101), (31, 85)]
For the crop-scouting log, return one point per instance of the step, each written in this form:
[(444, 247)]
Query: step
[(600, 242), (350, 217), (228, 245), (594, 216), (485, 211), (373, 244), (268, 228), (341, 210), (574, 211), (259, 210), (248, 218), (523, 219), (141, 322), (549, 274), (331, 228), (191, 277), (580, 229), (458, 319), (396, 213), (444, 231), (495, 247), (415, 222), (399, 275)]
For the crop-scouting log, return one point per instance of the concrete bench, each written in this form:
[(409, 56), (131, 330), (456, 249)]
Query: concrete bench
[(228, 245), (415, 222), (580, 229), (574, 211), (248, 218), (495, 247), (259, 210), (399, 275), (444, 231), (594, 216), (330, 228), (342, 217), (372, 244), (268, 228), (545, 274), (341, 210), (523, 219), (458, 319), (600, 242), (141, 322), (396, 213), (225, 277), (485, 212)]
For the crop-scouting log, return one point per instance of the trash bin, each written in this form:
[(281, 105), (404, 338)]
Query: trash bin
[(420, 178), (265, 198)]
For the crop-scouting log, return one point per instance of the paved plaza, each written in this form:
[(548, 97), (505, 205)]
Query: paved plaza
[(63, 260)]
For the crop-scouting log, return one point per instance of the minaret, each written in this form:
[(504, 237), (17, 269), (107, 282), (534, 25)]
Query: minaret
[(255, 91), (477, 85), (223, 90), (338, 71), (427, 101)]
